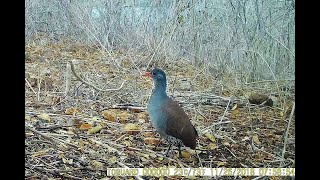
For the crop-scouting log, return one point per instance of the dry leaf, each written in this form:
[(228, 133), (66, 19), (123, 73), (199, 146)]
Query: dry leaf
[(97, 165), (131, 128), (95, 118), (191, 151), (255, 139), (142, 117), (45, 117), (235, 113), (95, 129), (246, 138), (185, 154), (74, 122), (226, 143), (143, 155), (40, 153), (67, 161), (136, 110), (234, 107), (226, 93), (116, 114), (220, 163), (85, 126), (152, 155), (151, 141), (124, 116), (149, 134), (113, 159), (109, 115), (281, 114), (143, 159), (28, 118), (82, 143), (211, 137), (72, 111), (127, 143), (212, 146), (29, 134)]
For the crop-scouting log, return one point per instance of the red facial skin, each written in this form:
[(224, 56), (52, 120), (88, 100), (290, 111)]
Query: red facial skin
[(148, 74)]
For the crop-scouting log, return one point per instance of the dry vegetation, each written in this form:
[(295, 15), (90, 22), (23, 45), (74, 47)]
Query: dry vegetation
[(75, 131)]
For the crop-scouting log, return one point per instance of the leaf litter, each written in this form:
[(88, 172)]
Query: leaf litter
[(80, 135)]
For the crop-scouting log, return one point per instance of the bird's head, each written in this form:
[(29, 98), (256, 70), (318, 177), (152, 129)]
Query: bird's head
[(157, 75)]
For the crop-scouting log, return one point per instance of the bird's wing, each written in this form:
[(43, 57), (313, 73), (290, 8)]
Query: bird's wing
[(178, 123)]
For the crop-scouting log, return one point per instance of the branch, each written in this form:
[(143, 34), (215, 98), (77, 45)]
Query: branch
[(89, 84), (287, 132)]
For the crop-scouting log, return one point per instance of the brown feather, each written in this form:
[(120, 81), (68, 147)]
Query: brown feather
[(178, 123)]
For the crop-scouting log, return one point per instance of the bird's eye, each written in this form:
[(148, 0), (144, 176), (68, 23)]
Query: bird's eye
[(153, 73)]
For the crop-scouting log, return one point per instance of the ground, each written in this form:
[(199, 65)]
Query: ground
[(76, 131)]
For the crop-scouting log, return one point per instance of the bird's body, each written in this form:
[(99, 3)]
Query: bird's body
[(167, 116)]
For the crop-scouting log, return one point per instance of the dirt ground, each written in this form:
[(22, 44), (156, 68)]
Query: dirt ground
[(76, 130)]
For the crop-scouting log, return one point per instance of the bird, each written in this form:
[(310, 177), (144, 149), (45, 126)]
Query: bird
[(167, 116)]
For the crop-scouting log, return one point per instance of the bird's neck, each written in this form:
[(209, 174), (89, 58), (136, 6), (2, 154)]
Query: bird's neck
[(160, 89)]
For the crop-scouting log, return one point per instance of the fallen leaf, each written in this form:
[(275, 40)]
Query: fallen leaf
[(212, 146), (113, 159), (127, 143), (281, 114), (142, 117), (151, 141), (95, 118), (28, 118), (131, 128), (116, 114), (72, 111), (149, 134), (95, 129), (246, 138), (124, 116), (226, 93), (185, 154), (109, 115), (220, 163), (85, 126), (234, 107), (136, 110), (235, 113), (211, 137), (74, 122), (255, 139), (40, 153), (152, 155), (143, 155), (191, 151), (144, 159), (45, 117), (67, 161), (97, 165), (226, 143), (82, 143)]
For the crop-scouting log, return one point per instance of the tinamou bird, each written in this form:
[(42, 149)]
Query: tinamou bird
[(167, 117)]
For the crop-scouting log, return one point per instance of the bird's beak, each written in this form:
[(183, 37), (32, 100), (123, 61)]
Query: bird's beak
[(148, 74)]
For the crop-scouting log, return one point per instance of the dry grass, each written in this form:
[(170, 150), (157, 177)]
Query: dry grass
[(246, 136)]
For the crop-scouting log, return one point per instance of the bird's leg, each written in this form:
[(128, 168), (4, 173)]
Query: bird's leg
[(159, 142), (156, 146), (179, 148), (168, 150)]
